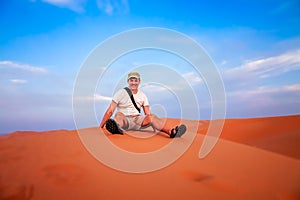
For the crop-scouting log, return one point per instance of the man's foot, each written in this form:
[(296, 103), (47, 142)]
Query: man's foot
[(112, 126), (178, 131)]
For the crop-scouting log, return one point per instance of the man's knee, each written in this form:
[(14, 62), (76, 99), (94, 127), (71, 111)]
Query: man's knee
[(148, 120), (153, 117), (119, 115), (120, 118)]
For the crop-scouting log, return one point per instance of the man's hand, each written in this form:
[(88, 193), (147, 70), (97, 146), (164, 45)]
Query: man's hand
[(147, 120), (102, 125)]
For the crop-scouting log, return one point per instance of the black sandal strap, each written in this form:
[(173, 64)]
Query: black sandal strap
[(112, 126), (178, 131), (173, 132)]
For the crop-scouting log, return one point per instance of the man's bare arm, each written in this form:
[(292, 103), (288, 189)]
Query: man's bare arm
[(147, 110), (109, 112)]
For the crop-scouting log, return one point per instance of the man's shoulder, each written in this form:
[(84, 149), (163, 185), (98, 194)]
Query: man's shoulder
[(120, 92), (141, 93)]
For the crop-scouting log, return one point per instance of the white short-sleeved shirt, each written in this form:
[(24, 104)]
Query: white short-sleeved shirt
[(125, 105)]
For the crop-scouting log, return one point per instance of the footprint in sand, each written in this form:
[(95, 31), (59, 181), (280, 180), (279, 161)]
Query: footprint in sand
[(197, 177), (63, 174), (208, 181)]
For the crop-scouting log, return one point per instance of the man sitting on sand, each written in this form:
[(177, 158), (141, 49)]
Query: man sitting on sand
[(128, 102)]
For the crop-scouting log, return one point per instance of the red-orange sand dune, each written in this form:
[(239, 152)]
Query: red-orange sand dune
[(254, 159)]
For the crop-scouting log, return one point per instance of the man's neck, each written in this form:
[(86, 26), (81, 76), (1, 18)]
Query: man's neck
[(134, 91)]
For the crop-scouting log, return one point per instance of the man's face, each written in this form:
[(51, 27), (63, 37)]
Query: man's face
[(133, 83)]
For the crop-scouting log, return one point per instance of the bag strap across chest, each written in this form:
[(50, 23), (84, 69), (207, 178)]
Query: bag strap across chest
[(132, 99)]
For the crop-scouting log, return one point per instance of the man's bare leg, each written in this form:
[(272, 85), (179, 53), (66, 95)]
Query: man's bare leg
[(162, 125), (120, 118), (157, 123)]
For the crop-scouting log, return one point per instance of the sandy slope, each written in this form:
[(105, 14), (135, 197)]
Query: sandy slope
[(277, 134), (55, 165)]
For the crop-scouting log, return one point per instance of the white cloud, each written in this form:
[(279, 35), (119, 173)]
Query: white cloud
[(253, 88), (25, 67), (154, 87), (264, 101), (105, 6), (192, 78), (111, 7), (98, 97), (75, 5), (292, 88), (266, 91), (224, 62), (18, 81), (267, 67)]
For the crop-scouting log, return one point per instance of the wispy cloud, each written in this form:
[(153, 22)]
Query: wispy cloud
[(192, 78), (266, 91), (75, 5), (25, 67), (111, 7), (267, 67), (19, 73), (18, 81), (96, 97), (252, 88), (264, 101), (151, 87)]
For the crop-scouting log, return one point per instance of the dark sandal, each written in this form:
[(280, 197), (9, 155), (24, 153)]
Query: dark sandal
[(112, 126), (178, 131)]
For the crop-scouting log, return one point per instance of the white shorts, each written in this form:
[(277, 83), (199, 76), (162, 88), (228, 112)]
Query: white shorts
[(135, 122)]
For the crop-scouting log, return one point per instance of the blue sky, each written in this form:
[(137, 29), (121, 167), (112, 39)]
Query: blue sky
[(254, 44)]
